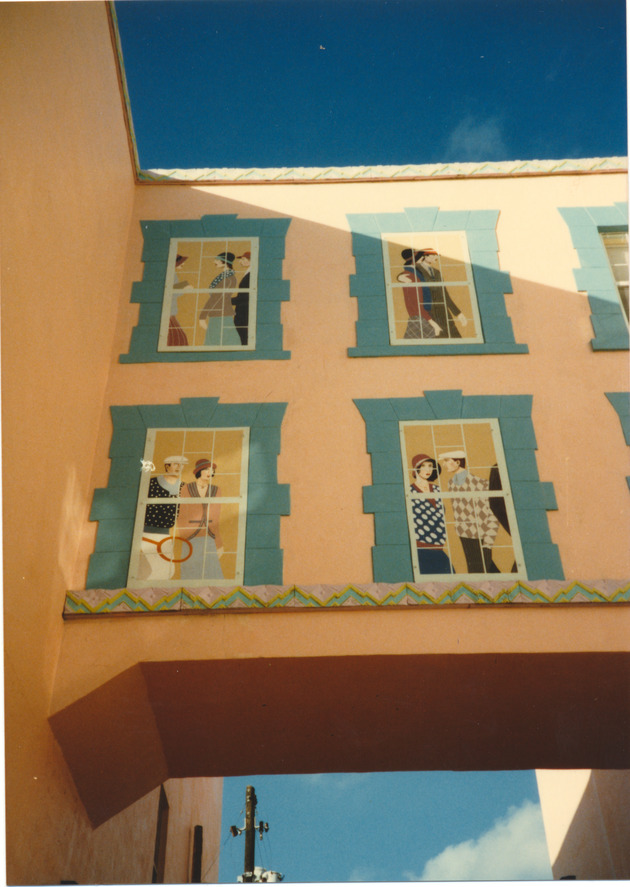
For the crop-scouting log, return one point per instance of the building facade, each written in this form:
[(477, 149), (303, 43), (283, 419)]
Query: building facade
[(333, 448)]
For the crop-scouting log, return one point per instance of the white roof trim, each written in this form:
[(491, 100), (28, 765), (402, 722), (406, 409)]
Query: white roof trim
[(371, 173)]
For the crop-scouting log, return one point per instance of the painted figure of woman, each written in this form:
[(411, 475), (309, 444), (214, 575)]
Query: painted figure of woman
[(217, 315), (176, 335), (428, 517), (198, 524)]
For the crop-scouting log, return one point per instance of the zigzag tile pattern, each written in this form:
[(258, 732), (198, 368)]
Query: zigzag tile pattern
[(269, 597)]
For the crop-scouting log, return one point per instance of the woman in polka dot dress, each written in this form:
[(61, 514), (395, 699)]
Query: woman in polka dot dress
[(428, 517)]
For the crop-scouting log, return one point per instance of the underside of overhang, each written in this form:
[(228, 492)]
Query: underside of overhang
[(161, 720)]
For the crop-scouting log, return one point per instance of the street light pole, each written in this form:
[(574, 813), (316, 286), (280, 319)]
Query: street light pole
[(250, 873), (250, 830)]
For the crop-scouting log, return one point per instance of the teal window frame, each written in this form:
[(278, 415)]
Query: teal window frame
[(367, 285), (620, 401), (385, 497), (114, 506), (149, 292), (594, 276)]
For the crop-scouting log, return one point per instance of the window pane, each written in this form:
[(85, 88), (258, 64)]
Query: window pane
[(210, 295), (616, 243), (421, 308), (190, 521), (459, 505)]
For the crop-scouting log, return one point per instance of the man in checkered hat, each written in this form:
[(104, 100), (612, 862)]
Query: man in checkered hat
[(475, 524)]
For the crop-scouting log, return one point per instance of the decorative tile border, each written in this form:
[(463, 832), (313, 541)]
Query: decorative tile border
[(274, 597), (389, 173)]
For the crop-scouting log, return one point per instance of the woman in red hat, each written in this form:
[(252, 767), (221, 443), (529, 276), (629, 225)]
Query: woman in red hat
[(428, 516)]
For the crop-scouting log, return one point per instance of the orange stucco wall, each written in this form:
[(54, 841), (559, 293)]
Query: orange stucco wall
[(121, 850), (67, 199), (71, 250)]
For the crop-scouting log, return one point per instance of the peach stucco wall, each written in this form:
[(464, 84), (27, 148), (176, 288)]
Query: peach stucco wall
[(327, 538), (586, 815)]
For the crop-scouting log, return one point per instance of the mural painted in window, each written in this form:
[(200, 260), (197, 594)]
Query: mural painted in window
[(616, 243), (192, 505), (430, 289), (459, 505), (210, 295)]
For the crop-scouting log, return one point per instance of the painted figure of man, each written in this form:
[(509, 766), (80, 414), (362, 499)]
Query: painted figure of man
[(241, 300), (157, 542), (475, 523), (424, 264), (217, 315), (428, 516), (420, 324)]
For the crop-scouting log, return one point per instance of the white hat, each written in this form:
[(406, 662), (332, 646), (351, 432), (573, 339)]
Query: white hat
[(182, 460), (454, 454)]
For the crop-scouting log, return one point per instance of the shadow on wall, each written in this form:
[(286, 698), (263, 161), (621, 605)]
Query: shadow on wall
[(127, 736)]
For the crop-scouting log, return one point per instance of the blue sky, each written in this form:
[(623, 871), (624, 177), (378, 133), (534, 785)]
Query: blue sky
[(267, 83), (390, 827)]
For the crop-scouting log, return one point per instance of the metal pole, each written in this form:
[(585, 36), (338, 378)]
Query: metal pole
[(250, 845)]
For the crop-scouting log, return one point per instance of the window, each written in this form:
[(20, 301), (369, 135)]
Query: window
[(488, 490), (616, 244), (420, 307), (147, 537), (620, 401), (428, 282), (210, 295), (212, 289), (599, 235), (190, 520), (459, 503)]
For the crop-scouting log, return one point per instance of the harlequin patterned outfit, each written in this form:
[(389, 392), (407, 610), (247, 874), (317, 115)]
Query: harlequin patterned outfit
[(476, 525), (158, 521), (430, 531)]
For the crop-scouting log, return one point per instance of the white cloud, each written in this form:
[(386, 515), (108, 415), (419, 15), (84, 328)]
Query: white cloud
[(514, 849), (363, 873), (334, 781), (476, 140)]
